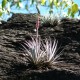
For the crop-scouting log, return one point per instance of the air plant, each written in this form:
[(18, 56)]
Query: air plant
[(34, 53), (51, 49), (32, 49), (39, 52), (50, 20)]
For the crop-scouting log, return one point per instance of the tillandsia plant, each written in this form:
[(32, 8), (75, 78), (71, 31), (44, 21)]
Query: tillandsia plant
[(35, 55), (40, 53), (50, 20), (50, 47)]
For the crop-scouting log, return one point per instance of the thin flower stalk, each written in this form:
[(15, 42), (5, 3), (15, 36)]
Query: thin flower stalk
[(37, 26)]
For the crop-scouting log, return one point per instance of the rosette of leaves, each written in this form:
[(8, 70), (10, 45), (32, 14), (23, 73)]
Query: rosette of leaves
[(39, 53), (33, 52), (50, 47), (50, 20)]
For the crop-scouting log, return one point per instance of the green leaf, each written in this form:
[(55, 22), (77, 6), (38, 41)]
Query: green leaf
[(20, 5), (69, 11), (1, 13), (43, 2), (4, 3), (51, 3), (56, 2), (32, 1), (72, 15), (65, 6), (20, 0), (17, 5), (61, 3), (74, 8)]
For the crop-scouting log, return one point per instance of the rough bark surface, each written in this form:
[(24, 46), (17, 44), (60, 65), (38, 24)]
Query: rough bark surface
[(19, 27)]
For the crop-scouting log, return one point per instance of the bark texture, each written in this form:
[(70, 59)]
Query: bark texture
[(19, 27)]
